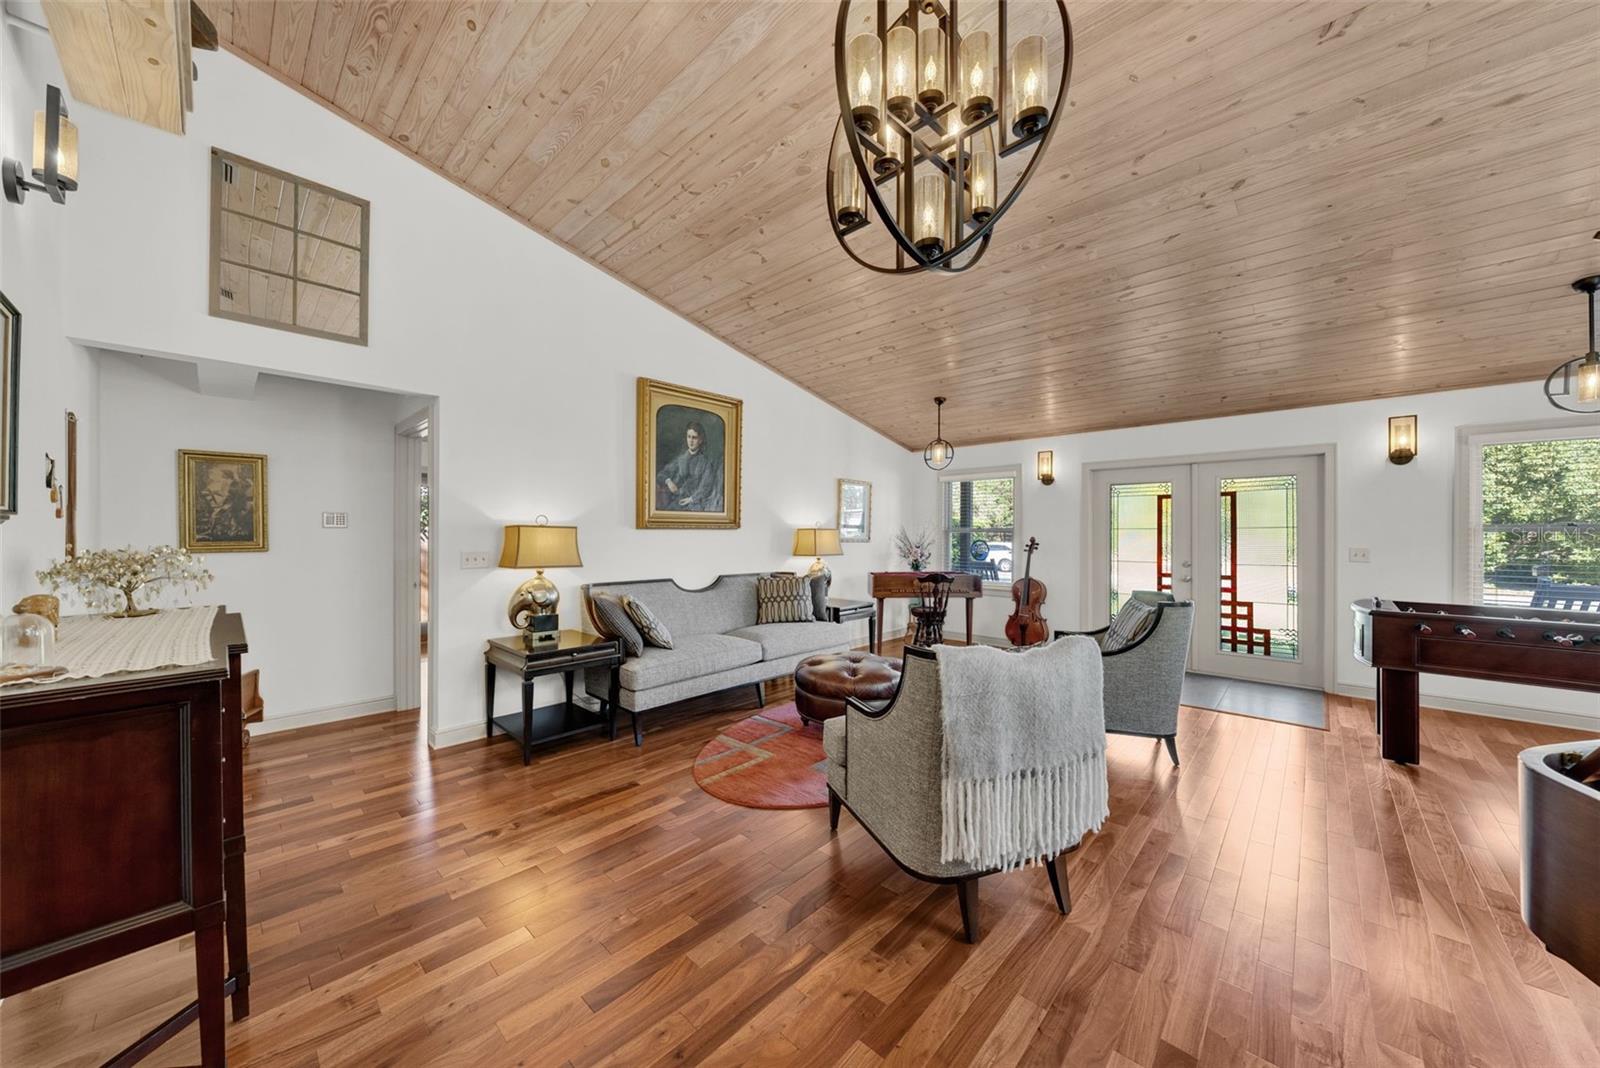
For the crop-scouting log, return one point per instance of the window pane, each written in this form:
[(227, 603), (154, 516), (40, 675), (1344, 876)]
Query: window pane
[(257, 244), (256, 193), (260, 296), (1540, 542), (1259, 567), (979, 522), (329, 310), (1141, 539), (329, 264)]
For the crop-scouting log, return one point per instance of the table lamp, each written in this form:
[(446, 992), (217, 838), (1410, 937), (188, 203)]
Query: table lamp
[(533, 606), (818, 542)]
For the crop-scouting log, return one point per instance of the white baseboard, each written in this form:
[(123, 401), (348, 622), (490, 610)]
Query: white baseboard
[(1548, 717), (332, 714), (446, 737)]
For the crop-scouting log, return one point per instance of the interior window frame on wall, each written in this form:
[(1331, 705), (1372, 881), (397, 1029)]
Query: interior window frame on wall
[(220, 159), (976, 474), (1467, 534)]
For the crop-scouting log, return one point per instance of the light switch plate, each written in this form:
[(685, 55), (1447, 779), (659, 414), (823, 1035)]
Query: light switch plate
[(1361, 556), (335, 520), (470, 560)]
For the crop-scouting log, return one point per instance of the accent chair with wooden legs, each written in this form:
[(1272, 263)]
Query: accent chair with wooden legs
[(1144, 671), (884, 765)]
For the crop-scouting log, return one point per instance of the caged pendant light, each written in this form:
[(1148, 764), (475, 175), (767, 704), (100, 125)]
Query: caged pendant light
[(939, 452), (929, 108), (1575, 385)]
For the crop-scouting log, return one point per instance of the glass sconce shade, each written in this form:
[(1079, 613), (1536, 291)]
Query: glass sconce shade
[(1030, 86), (865, 59), (900, 71), (1589, 379), (939, 454), (66, 150), (1402, 439), (931, 59), (849, 195), (1047, 466), (928, 225), (29, 642), (977, 77), (981, 187)]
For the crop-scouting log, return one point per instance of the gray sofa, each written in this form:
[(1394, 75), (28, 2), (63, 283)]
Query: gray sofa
[(717, 644)]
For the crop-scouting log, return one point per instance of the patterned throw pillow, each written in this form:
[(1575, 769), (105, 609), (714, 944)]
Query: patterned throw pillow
[(654, 631), (819, 597), (615, 623), (783, 599), (1132, 623)]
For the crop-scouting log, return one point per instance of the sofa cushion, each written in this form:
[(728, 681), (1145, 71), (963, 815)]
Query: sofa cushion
[(655, 632), (726, 604), (789, 639), (615, 623), (819, 596), (693, 655), (783, 599)]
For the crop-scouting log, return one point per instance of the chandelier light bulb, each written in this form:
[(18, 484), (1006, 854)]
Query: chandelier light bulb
[(866, 62), (900, 86), (1030, 78), (930, 84), (979, 103)]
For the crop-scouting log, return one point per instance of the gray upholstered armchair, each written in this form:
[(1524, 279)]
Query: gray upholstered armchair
[(884, 766), (1144, 679)]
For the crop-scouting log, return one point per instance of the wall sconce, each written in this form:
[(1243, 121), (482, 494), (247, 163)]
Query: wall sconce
[(1047, 467), (1402, 439), (55, 154)]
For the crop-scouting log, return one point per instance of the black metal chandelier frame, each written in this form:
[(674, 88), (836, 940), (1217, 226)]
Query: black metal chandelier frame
[(1562, 386), (887, 166)]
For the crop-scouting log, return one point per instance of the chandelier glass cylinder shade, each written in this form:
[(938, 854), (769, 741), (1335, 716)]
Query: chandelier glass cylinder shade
[(1574, 386), (930, 109)]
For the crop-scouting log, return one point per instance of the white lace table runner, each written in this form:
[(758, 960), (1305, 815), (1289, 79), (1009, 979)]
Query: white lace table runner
[(90, 646)]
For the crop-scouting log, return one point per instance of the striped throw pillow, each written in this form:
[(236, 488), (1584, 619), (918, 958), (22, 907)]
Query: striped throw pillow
[(615, 623), (1133, 622), (655, 632), (783, 599)]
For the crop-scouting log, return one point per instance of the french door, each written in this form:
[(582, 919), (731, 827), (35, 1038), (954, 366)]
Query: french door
[(1241, 538)]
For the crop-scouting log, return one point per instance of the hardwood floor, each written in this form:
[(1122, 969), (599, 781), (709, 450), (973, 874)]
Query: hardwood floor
[(1285, 898)]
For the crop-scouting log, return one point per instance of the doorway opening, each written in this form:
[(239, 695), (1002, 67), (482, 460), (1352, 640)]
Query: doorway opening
[(416, 633), (1243, 538)]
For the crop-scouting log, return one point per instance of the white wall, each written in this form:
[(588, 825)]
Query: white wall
[(319, 604), (1404, 515), (532, 353), (56, 375)]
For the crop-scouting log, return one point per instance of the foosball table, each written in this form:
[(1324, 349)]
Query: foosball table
[(1402, 639)]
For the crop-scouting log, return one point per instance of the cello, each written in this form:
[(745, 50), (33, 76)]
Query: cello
[(1025, 625)]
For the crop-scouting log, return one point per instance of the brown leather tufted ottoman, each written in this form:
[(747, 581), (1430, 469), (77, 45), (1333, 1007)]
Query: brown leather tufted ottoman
[(821, 683)]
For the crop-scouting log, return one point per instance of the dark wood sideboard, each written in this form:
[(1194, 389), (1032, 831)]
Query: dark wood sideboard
[(122, 826)]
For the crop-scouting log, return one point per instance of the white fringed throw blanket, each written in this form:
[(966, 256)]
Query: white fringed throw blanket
[(1024, 762), (90, 646)]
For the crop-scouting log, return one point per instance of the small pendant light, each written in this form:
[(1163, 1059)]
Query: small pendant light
[(939, 452), (1574, 386)]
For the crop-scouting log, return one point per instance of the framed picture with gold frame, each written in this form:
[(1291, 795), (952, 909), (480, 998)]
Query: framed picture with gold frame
[(689, 458), (222, 501)]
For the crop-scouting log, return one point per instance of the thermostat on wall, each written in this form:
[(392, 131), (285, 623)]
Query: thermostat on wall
[(335, 520)]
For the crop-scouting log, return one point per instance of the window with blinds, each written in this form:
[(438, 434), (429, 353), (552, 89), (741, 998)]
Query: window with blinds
[(980, 523), (1532, 536)]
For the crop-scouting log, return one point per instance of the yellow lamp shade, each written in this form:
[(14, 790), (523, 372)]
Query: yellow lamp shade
[(817, 541), (539, 545), (66, 160)]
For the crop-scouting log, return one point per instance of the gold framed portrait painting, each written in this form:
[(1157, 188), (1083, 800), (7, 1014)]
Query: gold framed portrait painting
[(222, 502), (689, 457)]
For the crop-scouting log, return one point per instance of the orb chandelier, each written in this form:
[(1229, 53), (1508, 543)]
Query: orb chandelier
[(939, 452), (929, 108), (1575, 385)]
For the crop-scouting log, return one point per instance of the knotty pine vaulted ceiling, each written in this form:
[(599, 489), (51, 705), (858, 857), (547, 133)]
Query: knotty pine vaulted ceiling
[(1248, 206)]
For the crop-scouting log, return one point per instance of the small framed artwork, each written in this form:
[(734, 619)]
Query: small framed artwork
[(10, 412), (689, 464), (855, 510), (222, 502)]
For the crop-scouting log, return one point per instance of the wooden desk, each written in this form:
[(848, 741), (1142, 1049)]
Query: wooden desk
[(905, 584), (1541, 646), (111, 822)]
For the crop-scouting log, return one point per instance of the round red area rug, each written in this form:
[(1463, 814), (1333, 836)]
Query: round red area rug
[(770, 760)]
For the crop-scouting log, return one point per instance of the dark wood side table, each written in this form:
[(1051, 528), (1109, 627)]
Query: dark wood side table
[(574, 651), (842, 610)]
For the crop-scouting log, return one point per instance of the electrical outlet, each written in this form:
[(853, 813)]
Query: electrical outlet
[(470, 560), (1361, 556)]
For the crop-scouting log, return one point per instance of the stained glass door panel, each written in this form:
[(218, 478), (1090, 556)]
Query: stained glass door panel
[(1140, 539)]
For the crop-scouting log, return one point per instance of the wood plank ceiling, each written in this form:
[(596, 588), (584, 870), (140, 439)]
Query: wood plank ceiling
[(1250, 205)]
